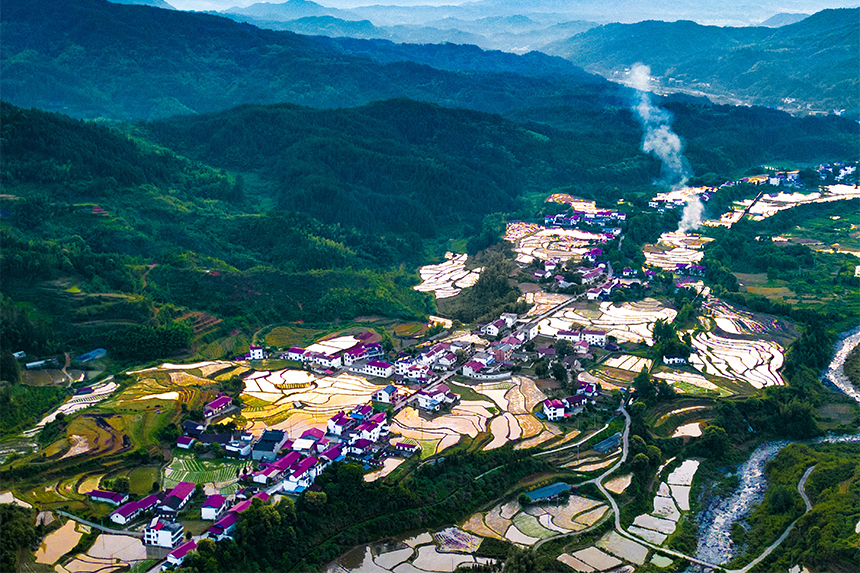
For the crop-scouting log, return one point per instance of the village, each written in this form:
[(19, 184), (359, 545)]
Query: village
[(549, 379)]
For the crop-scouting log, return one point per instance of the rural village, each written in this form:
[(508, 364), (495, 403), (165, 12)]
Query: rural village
[(554, 380)]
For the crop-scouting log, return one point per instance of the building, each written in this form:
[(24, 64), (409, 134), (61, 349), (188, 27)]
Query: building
[(185, 442), (495, 328), (91, 355), (213, 507), (218, 405), (674, 359), (302, 476), (471, 368), (361, 412), (340, 422), (434, 399), (110, 497), (269, 445), (296, 354), (130, 511), (553, 410), (238, 448), (178, 497), (377, 368), (177, 556), (256, 353), (162, 533), (387, 395), (571, 335), (594, 337)]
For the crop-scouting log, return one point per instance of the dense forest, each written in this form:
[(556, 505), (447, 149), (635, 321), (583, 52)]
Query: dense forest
[(273, 213)]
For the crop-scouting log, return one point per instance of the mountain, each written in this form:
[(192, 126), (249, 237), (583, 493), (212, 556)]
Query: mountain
[(97, 59), (284, 11), (808, 66), (517, 34), (153, 3), (783, 19)]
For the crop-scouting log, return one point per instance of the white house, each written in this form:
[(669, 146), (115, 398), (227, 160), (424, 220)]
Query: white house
[(256, 353), (338, 423), (494, 328), (177, 556), (553, 410), (433, 399), (472, 367), (447, 361), (580, 347), (674, 359), (376, 368), (303, 475), (510, 319), (369, 431), (571, 335), (162, 533), (213, 507), (296, 354), (594, 337), (385, 396)]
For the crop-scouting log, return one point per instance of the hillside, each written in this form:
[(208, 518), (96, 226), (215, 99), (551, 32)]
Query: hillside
[(265, 214), (808, 66), (97, 59)]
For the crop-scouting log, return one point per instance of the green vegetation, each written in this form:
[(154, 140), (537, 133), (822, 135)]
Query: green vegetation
[(824, 538), (22, 406), (18, 533), (852, 366)]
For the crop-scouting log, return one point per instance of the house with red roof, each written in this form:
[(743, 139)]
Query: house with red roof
[(178, 497), (338, 423), (553, 410), (303, 475), (185, 442)]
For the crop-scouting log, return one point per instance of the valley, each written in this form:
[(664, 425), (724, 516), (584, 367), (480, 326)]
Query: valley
[(411, 296)]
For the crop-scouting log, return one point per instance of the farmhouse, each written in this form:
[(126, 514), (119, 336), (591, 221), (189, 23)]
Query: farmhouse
[(387, 395), (571, 335), (338, 423), (177, 497), (218, 405), (553, 410), (269, 445), (163, 533), (177, 556), (594, 337), (256, 353), (376, 368), (184, 442), (433, 400), (131, 510), (671, 359), (108, 497), (213, 507), (494, 328)]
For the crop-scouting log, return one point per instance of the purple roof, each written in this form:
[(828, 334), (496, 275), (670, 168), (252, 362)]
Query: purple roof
[(474, 365), (184, 441), (215, 501), (101, 494), (148, 502), (219, 402), (224, 523), (182, 490), (379, 364), (362, 444), (315, 433), (594, 331), (297, 350), (305, 465), (183, 549), (332, 453), (554, 404), (128, 509)]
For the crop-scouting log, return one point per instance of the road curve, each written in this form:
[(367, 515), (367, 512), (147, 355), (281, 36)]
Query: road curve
[(101, 528)]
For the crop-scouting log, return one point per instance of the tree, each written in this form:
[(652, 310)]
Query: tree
[(714, 442), (559, 372), (643, 384), (199, 491), (780, 499), (563, 348), (121, 484), (541, 369)]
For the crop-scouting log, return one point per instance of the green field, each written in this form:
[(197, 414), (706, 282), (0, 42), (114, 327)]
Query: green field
[(186, 468)]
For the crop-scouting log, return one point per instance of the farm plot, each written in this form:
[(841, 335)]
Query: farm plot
[(734, 321), (629, 322), (629, 363), (563, 244), (447, 279), (755, 362), (679, 378), (542, 301), (622, 547), (77, 403), (675, 248), (184, 468), (618, 484)]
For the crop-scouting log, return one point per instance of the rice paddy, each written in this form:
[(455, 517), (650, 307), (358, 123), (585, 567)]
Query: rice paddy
[(675, 248), (447, 279), (754, 362), (628, 322), (219, 473)]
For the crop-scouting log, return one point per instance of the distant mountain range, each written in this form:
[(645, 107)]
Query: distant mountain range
[(97, 59), (808, 65)]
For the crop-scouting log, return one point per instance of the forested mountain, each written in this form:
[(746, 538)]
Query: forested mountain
[(97, 59), (323, 213), (808, 65)]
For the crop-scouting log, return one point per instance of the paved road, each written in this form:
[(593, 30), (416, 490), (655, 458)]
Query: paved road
[(801, 487), (101, 527)]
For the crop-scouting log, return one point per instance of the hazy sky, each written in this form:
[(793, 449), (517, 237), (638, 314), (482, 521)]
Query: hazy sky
[(224, 4)]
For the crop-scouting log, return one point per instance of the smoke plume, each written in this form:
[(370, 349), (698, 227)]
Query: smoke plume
[(659, 138), (691, 218)]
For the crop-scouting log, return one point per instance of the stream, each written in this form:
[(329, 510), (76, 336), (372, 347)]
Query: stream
[(715, 522)]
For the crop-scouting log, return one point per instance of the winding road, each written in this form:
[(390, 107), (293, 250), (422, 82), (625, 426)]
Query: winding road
[(101, 528)]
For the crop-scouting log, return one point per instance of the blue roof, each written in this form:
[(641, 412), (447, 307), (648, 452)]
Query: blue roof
[(547, 492), (91, 355)]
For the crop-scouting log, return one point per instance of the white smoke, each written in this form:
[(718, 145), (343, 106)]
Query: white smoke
[(691, 218), (659, 138)]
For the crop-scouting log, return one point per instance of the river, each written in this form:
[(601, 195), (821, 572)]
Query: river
[(715, 522)]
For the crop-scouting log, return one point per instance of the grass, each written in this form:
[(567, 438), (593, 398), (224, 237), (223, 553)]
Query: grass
[(465, 392), (141, 479), (287, 336)]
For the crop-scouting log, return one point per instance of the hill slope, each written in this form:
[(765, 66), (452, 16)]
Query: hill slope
[(97, 59), (810, 65)]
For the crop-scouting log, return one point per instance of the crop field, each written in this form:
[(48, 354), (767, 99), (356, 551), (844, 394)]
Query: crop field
[(77, 403), (447, 279), (754, 362), (294, 335), (628, 322), (186, 468), (629, 363), (564, 244), (675, 248)]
